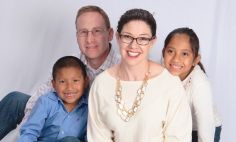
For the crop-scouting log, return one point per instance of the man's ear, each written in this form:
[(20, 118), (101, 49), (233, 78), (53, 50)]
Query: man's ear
[(197, 60), (111, 33)]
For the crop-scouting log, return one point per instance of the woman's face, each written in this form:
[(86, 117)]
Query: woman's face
[(178, 56), (134, 41)]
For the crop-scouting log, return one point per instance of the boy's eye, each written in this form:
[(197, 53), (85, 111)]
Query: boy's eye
[(169, 51), (61, 81)]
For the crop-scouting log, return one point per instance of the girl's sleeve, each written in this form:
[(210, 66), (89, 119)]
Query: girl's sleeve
[(96, 129), (203, 110)]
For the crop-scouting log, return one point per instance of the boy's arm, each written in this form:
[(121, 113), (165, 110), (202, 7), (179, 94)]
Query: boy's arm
[(31, 129), (41, 90)]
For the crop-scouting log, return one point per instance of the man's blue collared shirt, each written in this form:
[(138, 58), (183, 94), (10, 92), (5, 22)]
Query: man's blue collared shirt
[(50, 121)]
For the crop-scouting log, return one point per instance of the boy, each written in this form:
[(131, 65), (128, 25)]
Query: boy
[(63, 112)]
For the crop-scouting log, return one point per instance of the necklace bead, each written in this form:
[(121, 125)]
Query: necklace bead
[(124, 113)]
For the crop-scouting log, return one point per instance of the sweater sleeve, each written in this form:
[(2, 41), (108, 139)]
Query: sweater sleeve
[(178, 124), (203, 111), (96, 129)]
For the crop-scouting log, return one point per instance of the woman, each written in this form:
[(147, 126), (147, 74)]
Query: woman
[(138, 100), (181, 58)]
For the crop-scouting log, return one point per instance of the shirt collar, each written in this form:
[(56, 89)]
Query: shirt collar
[(106, 64)]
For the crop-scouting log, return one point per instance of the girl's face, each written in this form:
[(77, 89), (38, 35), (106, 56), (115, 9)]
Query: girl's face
[(135, 41), (178, 56)]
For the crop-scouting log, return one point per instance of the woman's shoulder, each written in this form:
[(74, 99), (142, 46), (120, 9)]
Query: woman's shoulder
[(158, 71), (162, 77), (112, 71), (155, 69), (106, 75)]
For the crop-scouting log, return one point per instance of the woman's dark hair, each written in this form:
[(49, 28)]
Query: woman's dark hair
[(193, 40), (137, 14), (68, 61)]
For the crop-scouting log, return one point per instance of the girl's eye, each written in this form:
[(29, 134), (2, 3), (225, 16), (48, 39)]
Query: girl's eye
[(185, 53), (76, 80)]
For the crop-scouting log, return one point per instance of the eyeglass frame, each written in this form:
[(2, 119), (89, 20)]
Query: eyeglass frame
[(93, 31), (137, 39)]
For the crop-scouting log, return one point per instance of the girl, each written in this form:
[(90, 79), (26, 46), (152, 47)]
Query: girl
[(181, 58)]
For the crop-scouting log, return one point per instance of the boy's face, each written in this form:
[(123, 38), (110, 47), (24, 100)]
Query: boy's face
[(69, 84)]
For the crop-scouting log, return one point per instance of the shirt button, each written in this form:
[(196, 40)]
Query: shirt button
[(62, 132)]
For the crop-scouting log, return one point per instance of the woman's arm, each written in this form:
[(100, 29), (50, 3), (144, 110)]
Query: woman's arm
[(96, 130), (178, 124)]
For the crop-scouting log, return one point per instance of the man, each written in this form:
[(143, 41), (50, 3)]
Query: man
[(94, 35)]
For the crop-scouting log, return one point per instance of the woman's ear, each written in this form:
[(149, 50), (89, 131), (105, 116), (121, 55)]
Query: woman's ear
[(197, 60), (153, 41)]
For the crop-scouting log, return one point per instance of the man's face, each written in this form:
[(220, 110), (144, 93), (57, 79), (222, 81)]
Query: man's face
[(93, 36)]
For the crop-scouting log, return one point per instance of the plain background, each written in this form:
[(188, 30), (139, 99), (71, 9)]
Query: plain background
[(34, 34)]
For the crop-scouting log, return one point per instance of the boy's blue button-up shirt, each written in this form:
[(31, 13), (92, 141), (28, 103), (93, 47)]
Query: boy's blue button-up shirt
[(50, 121)]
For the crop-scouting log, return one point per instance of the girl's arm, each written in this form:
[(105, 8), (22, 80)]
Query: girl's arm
[(203, 110)]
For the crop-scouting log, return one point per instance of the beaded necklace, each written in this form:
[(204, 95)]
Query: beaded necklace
[(124, 113)]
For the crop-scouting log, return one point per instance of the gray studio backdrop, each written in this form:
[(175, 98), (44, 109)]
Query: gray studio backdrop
[(34, 34)]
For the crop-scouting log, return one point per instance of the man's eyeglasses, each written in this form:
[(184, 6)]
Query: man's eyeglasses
[(94, 31), (139, 40)]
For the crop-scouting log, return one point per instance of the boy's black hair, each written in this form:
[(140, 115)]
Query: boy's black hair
[(68, 61)]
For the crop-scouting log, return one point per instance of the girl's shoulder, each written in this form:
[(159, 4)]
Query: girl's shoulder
[(196, 79), (198, 76)]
